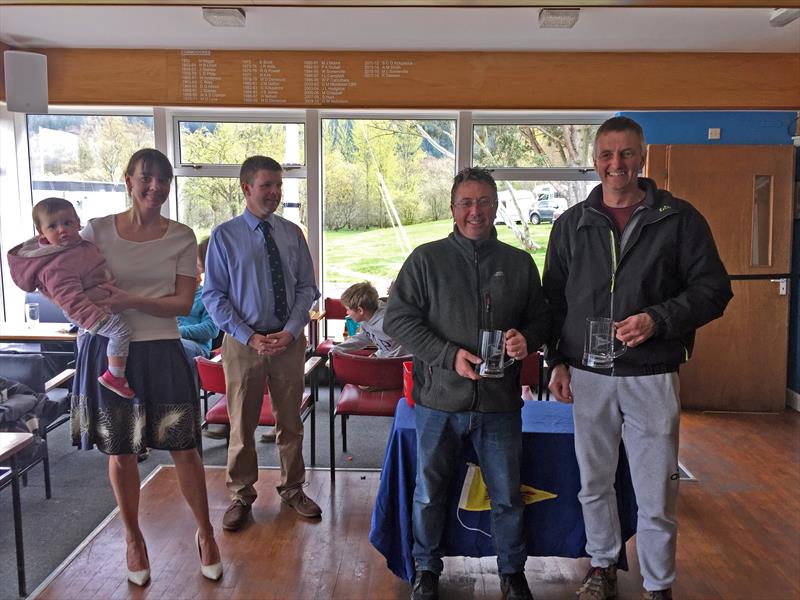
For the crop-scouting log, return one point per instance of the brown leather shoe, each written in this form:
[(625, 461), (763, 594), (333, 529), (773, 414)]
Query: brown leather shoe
[(235, 515), (219, 433), (304, 505)]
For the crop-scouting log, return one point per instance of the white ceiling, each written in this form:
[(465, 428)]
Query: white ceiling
[(398, 28)]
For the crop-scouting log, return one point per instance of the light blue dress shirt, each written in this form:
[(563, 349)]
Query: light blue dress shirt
[(237, 290)]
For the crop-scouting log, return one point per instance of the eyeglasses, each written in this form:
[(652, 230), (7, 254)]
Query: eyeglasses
[(469, 204)]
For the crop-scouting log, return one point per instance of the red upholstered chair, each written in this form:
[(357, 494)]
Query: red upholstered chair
[(532, 375), (335, 310), (212, 381), (370, 387), (212, 378)]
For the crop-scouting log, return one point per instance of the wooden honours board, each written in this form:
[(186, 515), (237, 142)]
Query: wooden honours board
[(256, 79), (426, 80), (283, 78)]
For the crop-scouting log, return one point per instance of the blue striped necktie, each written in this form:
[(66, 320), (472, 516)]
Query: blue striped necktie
[(276, 272)]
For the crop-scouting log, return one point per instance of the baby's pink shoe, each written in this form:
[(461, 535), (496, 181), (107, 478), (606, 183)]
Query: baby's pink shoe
[(118, 385)]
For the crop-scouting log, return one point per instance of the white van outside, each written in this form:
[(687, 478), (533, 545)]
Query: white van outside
[(506, 211), (534, 207)]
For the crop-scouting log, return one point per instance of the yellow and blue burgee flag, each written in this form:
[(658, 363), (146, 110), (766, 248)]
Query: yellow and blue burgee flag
[(475, 496)]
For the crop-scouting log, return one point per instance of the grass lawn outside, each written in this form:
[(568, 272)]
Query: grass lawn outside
[(376, 255)]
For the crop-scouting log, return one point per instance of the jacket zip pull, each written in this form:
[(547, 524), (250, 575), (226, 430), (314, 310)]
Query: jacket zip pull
[(613, 271), (478, 279), (487, 303), (475, 389)]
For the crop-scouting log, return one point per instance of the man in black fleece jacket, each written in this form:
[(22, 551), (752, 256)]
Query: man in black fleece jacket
[(648, 261), (446, 292)]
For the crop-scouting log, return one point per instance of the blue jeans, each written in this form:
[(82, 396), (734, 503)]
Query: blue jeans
[(192, 349), (497, 439)]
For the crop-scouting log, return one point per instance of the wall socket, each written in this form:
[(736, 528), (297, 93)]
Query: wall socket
[(714, 133)]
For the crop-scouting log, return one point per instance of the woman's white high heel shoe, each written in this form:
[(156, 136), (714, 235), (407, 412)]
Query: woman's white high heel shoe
[(140, 578), (212, 572)]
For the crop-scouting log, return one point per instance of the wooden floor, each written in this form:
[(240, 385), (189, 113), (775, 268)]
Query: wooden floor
[(739, 534)]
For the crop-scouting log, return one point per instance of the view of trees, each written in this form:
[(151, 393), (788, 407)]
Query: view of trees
[(85, 147), (386, 173), (531, 146), (210, 143), (398, 172), (204, 202)]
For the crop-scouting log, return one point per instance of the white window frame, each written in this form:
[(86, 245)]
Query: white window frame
[(398, 115), (310, 171), (265, 116)]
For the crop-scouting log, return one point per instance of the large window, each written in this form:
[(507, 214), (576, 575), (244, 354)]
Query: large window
[(533, 146), (209, 155), (82, 158), (226, 143), (386, 189), (366, 187), (78, 157), (541, 169)]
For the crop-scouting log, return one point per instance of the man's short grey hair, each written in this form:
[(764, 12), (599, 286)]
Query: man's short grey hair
[(619, 124)]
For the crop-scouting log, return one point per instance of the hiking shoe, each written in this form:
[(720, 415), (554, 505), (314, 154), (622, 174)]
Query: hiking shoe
[(426, 586), (515, 587), (118, 385), (219, 433), (600, 583), (658, 595), (236, 515), (304, 505)]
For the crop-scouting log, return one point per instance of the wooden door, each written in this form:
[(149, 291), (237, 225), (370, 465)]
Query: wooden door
[(745, 193)]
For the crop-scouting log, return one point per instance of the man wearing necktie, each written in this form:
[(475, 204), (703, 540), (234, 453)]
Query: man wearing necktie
[(259, 288)]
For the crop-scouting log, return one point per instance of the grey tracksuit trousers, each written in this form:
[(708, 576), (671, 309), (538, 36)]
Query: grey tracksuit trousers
[(645, 412)]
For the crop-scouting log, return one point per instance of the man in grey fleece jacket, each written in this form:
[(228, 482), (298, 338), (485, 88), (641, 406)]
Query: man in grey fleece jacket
[(446, 292)]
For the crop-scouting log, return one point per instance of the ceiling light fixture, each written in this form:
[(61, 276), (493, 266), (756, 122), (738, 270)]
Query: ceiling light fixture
[(224, 16), (783, 16), (558, 18)]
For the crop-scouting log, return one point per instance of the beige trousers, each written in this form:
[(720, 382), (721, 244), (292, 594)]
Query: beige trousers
[(245, 375)]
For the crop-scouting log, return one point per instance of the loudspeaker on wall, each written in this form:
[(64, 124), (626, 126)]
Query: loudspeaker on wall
[(26, 81)]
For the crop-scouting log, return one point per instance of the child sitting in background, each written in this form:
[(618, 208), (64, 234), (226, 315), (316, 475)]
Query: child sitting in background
[(197, 329), (69, 270), (365, 308)]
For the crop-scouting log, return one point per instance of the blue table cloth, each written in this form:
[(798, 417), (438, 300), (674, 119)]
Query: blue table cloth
[(550, 479)]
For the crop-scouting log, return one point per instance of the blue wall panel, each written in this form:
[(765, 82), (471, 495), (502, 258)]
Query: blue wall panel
[(737, 127)]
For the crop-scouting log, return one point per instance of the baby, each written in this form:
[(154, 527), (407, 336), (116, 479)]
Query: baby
[(68, 270)]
